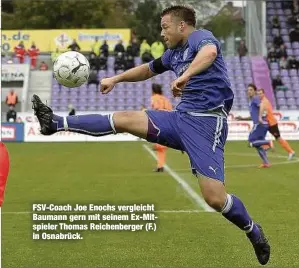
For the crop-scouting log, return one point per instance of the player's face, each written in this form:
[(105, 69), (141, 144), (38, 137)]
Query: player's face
[(260, 93), (171, 32), (250, 92)]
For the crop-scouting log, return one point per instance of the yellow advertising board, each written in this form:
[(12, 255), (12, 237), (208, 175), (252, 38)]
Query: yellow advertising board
[(49, 40)]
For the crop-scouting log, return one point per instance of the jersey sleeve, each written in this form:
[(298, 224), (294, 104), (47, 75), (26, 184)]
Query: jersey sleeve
[(197, 41), (162, 64)]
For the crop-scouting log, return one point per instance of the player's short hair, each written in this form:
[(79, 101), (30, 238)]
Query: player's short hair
[(157, 89), (253, 86), (184, 12), (261, 89)]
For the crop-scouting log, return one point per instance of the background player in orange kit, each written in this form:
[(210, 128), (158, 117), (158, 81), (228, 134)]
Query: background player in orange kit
[(160, 102), (267, 111)]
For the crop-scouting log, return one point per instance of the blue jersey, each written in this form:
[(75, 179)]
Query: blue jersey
[(254, 109), (208, 90)]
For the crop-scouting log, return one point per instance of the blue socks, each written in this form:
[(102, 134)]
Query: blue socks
[(235, 212), (91, 124), (263, 155)]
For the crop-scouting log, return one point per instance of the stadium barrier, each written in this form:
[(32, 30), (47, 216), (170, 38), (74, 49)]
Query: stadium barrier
[(28, 130), (12, 132), (49, 40)]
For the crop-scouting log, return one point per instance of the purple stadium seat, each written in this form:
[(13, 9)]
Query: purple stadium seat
[(297, 101), (238, 72), (277, 4), (74, 102), (92, 101), (286, 79), (55, 102), (269, 39), (283, 107), (280, 94), (91, 108), (291, 101), (283, 24), (274, 73), (281, 18), (110, 73), (138, 60), (289, 94), (275, 31), (281, 101), (290, 52), (83, 101), (245, 59), (296, 52), (92, 95), (288, 85), (287, 12), (271, 12), (63, 108), (286, 38), (296, 94), (293, 72), (274, 66), (284, 32), (82, 108), (294, 79), (247, 72), (295, 45), (293, 107), (270, 5), (279, 12), (110, 59), (110, 108), (243, 107), (288, 45), (284, 72)]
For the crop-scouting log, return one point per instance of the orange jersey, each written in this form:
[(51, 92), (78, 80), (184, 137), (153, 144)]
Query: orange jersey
[(160, 102), (269, 112)]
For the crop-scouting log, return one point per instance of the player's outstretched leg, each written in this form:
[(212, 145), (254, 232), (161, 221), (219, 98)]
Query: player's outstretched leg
[(97, 125), (285, 145), (234, 210)]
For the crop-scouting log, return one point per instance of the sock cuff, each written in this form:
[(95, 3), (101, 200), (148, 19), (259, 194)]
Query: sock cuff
[(65, 124), (110, 117), (228, 204)]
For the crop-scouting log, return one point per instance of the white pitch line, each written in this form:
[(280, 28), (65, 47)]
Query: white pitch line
[(293, 161), (196, 197)]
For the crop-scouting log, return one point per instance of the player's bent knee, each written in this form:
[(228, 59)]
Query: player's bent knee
[(134, 122), (122, 120), (213, 192), (216, 202)]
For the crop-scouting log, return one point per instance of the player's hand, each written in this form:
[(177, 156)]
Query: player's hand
[(107, 84), (178, 85)]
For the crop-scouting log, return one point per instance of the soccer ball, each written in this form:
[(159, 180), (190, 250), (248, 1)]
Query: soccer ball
[(71, 69)]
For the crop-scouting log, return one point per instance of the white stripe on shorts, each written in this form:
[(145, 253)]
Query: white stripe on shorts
[(218, 131)]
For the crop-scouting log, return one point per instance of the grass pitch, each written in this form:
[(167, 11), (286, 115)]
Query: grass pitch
[(121, 173)]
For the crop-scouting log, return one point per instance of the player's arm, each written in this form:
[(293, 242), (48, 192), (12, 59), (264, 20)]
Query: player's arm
[(139, 73), (203, 60), (262, 110)]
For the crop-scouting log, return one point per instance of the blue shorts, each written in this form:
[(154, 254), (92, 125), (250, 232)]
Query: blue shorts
[(202, 137), (258, 132)]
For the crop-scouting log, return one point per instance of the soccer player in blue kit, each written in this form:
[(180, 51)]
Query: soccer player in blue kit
[(260, 127), (198, 126)]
